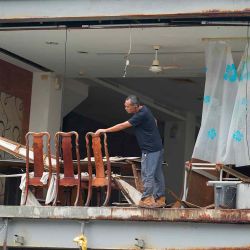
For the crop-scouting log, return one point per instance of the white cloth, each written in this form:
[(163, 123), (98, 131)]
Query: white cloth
[(222, 136), (51, 192), (31, 199)]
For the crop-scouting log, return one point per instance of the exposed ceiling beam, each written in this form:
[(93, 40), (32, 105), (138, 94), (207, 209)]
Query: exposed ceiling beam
[(145, 99), (38, 11), (206, 39), (21, 61)]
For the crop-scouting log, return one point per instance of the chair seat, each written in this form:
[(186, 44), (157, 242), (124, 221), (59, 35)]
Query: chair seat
[(85, 180), (36, 181), (99, 182), (96, 181), (68, 182), (102, 177)]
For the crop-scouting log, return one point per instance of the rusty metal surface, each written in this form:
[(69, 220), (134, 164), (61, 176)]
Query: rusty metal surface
[(230, 216), (113, 9), (198, 192), (213, 248), (137, 175)]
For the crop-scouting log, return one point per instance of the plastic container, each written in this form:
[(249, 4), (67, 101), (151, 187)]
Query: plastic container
[(225, 196), (243, 196)]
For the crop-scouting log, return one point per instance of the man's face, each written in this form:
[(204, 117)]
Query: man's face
[(129, 107)]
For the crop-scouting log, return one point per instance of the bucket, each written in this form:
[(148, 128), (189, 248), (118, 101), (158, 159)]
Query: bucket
[(243, 196), (225, 196)]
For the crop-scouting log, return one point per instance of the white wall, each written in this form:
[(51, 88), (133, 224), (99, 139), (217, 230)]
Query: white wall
[(52, 99)]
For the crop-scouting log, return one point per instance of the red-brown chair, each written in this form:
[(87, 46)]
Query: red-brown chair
[(63, 142), (102, 177), (39, 166)]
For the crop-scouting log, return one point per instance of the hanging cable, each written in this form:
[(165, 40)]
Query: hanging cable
[(64, 75), (127, 56), (65, 52), (246, 63)]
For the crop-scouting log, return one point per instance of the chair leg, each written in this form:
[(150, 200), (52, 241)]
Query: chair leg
[(26, 193), (77, 195), (89, 196), (108, 193), (57, 190)]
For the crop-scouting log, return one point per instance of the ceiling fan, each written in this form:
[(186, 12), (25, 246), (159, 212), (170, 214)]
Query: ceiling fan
[(155, 67)]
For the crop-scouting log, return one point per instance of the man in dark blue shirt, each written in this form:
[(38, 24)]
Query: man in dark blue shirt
[(150, 143)]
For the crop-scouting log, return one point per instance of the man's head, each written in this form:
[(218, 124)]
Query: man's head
[(132, 104)]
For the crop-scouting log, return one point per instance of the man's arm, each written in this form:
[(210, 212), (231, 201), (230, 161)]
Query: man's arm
[(116, 128)]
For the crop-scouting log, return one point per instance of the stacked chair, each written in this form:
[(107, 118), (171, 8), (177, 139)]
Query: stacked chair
[(38, 159), (102, 177), (67, 173), (68, 180)]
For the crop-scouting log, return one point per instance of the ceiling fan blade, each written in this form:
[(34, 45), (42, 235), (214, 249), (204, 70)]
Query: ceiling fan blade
[(183, 80), (199, 69), (171, 67), (138, 66)]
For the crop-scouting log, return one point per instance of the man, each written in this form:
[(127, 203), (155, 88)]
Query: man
[(150, 143)]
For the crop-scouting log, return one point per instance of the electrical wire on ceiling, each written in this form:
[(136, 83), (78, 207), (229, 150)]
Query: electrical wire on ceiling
[(65, 53), (247, 101), (64, 74), (127, 56)]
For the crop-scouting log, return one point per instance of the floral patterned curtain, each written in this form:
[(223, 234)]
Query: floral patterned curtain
[(225, 128)]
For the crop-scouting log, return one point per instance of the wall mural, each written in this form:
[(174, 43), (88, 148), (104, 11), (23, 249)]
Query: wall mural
[(11, 117)]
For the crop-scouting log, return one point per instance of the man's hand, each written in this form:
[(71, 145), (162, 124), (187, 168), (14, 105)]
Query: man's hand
[(116, 128), (99, 131)]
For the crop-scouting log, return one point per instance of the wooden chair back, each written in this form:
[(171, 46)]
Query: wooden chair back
[(63, 143), (102, 176), (39, 156)]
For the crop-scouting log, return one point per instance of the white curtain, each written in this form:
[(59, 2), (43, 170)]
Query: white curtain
[(223, 136)]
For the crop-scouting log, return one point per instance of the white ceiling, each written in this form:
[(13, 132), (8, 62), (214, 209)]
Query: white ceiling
[(105, 58), (106, 49)]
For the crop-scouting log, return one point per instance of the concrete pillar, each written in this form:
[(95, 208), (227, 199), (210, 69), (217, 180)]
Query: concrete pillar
[(46, 104)]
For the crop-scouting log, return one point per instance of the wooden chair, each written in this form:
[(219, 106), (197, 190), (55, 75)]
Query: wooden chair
[(102, 178), (39, 166), (68, 180)]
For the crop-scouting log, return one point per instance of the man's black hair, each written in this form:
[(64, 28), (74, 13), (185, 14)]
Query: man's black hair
[(134, 100)]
